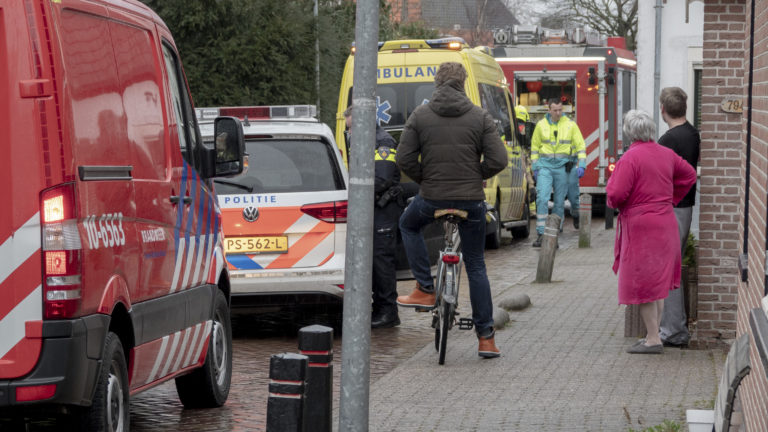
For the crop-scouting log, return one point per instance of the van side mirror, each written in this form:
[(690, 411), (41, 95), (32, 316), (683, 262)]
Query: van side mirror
[(229, 145)]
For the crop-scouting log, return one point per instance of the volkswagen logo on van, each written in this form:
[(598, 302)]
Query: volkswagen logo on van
[(251, 214)]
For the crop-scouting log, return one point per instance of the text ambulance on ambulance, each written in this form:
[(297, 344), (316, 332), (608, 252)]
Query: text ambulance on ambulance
[(285, 216), (405, 79)]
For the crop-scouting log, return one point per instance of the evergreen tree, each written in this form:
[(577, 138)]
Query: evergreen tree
[(245, 52)]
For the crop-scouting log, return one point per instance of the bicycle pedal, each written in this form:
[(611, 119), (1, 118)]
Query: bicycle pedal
[(466, 324), (423, 309)]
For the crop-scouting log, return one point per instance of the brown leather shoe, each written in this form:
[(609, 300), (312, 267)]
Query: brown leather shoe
[(417, 298), (487, 347)]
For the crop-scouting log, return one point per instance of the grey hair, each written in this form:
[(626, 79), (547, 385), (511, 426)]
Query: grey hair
[(638, 126)]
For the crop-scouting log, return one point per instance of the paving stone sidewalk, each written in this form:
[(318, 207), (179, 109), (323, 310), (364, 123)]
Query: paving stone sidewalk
[(563, 365)]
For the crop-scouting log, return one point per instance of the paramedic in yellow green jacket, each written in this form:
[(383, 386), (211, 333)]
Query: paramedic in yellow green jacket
[(555, 138)]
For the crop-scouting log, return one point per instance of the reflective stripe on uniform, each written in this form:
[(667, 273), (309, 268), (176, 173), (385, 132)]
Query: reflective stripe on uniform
[(385, 154), (555, 155)]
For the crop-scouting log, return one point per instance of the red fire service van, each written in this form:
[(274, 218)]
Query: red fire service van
[(112, 275), (595, 78)]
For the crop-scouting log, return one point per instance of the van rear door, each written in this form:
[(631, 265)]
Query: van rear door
[(282, 211), (23, 110)]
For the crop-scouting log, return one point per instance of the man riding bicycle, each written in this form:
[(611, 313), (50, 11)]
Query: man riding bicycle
[(449, 146)]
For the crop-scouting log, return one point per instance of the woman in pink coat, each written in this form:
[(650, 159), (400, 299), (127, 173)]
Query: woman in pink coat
[(648, 181)]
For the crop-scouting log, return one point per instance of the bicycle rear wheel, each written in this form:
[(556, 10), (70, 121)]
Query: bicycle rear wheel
[(445, 312)]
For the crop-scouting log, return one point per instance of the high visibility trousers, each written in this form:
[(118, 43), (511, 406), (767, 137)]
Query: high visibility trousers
[(549, 179), (573, 190)]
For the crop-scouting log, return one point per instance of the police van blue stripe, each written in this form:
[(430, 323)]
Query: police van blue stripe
[(200, 207), (180, 207), (242, 262), (209, 222), (194, 185)]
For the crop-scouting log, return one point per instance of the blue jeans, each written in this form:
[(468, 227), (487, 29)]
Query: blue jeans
[(419, 214)]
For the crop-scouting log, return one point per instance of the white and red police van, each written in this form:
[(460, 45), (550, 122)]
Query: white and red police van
[(594, 78), (112, 274)]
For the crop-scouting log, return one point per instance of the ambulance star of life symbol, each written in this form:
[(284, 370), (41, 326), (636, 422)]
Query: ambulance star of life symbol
[(382, 111), (251, 214)]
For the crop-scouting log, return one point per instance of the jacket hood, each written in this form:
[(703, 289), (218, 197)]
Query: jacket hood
[(449, 100), (384, 139)]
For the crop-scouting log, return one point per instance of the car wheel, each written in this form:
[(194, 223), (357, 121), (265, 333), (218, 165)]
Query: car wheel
[(493, 240), (110, 410), (208, 386), (524, 231)]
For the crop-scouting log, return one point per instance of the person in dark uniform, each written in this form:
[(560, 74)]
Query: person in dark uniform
[(386, 214)]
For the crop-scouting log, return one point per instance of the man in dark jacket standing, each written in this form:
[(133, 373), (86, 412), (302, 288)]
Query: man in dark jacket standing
[(449, 146), (386, 213), (684, 139)]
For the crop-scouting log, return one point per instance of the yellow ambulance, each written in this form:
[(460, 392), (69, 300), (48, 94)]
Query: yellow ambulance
[(405, 79)]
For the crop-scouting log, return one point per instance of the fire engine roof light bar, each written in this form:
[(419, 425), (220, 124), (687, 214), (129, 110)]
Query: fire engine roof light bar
[(626, 62), (541, 59)]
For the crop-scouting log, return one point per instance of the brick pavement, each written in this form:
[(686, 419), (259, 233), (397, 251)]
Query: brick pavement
[(563, 365)]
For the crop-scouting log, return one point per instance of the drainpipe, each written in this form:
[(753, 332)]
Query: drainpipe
[(657, 64), (743, 258)]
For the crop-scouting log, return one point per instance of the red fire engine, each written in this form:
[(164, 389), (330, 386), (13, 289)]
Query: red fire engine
[(595, 78)]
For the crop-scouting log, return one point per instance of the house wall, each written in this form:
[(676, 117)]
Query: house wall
[(681, 43), (721, 180), (726, 48)]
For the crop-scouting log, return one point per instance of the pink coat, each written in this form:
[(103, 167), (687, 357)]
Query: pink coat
[(648, 181)]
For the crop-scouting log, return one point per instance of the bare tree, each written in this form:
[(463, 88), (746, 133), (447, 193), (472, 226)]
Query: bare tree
[(609, 17), (478, 18)]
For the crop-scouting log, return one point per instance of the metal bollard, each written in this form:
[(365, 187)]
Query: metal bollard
[(285, 405), (548, 247), (316, 342), (585, 216)]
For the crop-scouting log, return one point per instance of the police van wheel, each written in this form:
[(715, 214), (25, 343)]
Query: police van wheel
[(493, 240), (208, 386), (110, 408)]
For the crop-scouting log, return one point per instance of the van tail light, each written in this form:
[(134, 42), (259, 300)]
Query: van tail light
[(451, 259), (62, 253), (331, 211)]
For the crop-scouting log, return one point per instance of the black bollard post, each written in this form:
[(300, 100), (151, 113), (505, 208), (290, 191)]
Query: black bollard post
[(608, 217), (285, 405), (316, 342)]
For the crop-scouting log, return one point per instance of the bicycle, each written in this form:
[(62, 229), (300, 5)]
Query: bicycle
[(448, 277)]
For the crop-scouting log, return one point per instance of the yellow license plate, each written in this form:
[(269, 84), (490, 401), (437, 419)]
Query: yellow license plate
[(243, 245)]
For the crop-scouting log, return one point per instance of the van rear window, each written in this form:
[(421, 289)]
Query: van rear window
[(276, 166), (395, 102)]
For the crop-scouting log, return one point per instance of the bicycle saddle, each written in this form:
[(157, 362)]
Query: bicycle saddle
[(461, 214)]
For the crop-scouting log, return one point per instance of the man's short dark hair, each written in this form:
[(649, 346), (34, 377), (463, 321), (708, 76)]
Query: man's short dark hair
[(554, 102), (450, 71), (674, 100)]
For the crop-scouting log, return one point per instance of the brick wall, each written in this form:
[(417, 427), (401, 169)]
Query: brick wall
[(721, 180), (754, 389), (726, 25), (406, 10)]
